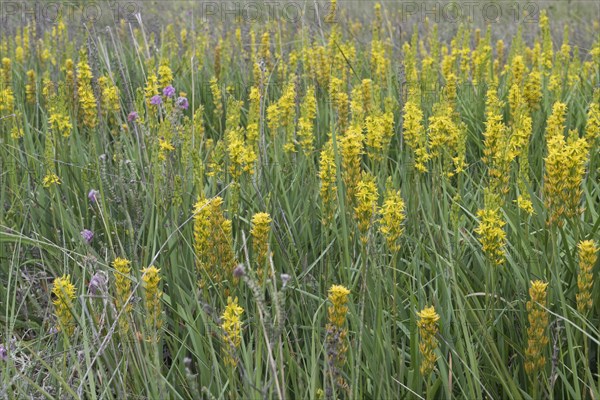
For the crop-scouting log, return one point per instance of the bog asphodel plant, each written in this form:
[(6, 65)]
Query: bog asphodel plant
[(428, 343), (328, 182), (150, 282), (564, 169), (337, 333), (351, 150), (87, 100), (232, 330), (366, 204), (212, 241), (64, 294), (491, 234), (261, 227), (392, 214), (588, 254), (537, 338), (122, 273)]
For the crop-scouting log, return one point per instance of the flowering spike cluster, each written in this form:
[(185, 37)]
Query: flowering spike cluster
[(261, 227), (537, 339), (533, 90), (212, 240), (150, 282), (253, 119), (366, 204), (110, 96), (592, 127), (152, 89), (414, 134), (340, 102), (564, 172), (380, 130), (50, 179), (519, 144), (64, 292), (337, 333), (30, 87), (307, 120), (588, 254), (122, 273), (281, 114), (428, 329), (492, 235), (165, 75), (497, 155), (351, 149), (328, 178), (241, 154), (232, 330), (87, 101), (392, 214)]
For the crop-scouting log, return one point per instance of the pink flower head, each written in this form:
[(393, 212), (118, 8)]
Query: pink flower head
[(183, 103), (87, 235), (156, 100), (92, 195), (169, 91), (132, 116)]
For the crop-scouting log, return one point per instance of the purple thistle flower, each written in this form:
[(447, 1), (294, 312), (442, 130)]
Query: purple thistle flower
[(156, 100), (87, 235), (169, 91), (3, 353), (92, 195), (97, 283), (239, 271), (132, 116), (183, 103)]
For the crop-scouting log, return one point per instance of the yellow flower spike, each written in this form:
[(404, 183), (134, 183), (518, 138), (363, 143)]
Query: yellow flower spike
[(366, 204), (212, 241), (30, 87), (110, 96), (338, 296), (217, 97), (339, 99), (592, 127), (414, 134), (537, 340), (165, 76), (306, 121), (588, 254), (328, 186), (50, 179), (380, 130), (492, 235), (392, 214), (252, 126), (122, 272), (261, 227), (232, 330), (64, 292), (87, 101), (428, 343), (150, 282), (351, 149), (547, 50), (60, 122), (497, 153), (151, 88), (337, 333), (564, 169)]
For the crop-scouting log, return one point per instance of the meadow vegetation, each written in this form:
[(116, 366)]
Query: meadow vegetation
[(221, 208)]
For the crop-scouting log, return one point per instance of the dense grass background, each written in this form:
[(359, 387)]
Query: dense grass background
[(144, 212)]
